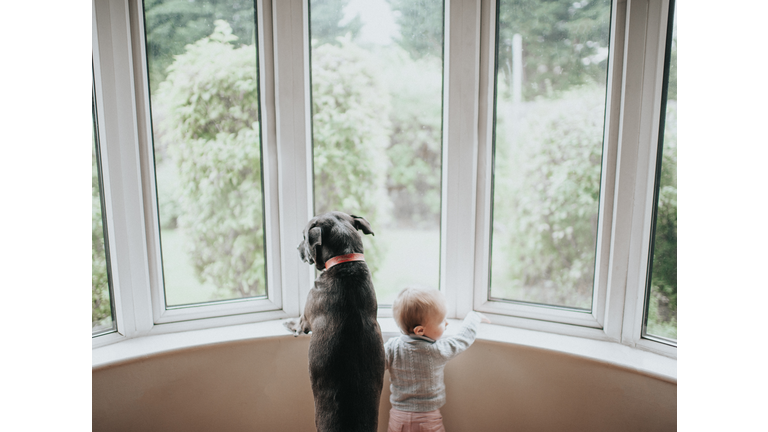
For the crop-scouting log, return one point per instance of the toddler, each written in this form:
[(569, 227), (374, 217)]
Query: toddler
[(417, 358)]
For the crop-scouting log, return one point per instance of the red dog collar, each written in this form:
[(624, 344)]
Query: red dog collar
[(344, 258)]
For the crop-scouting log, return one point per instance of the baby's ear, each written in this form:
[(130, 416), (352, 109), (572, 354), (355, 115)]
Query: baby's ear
[(360, 223), (419, 330)]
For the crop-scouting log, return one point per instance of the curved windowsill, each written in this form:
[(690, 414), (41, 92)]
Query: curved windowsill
[(611, 353)]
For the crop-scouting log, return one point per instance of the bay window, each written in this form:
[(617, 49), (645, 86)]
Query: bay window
[(502, 151), (661, 296), (377, 108), (204, 99), (102, 310)]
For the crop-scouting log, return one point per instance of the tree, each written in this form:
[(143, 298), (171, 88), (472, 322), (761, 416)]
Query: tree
[(210, 101), (415, 146), (101, 308), (350, 120), (562, 43), (172, 24), (208, 106), (421, 26), (565, 43), (326, 17), (545, 221), (662, 311)]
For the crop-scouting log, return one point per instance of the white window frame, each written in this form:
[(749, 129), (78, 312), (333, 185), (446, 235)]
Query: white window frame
[(635, 73), (638, 29), (231, 311)]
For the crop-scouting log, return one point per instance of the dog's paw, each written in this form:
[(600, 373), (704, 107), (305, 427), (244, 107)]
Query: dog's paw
[(292, 326)]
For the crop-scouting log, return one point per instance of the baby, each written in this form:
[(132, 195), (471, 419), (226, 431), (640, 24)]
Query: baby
[(417, 358)]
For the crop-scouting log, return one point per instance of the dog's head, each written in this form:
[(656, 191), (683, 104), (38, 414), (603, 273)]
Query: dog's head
[(332, 234)]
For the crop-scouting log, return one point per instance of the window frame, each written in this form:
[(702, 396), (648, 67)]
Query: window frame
[(666, 39), (102, 200), (544, 317), (163, 313), (637, 47), (635, 69)]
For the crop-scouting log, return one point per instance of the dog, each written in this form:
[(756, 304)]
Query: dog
[(346, 350)]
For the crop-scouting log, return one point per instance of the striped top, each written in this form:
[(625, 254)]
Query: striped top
[(416, 366)]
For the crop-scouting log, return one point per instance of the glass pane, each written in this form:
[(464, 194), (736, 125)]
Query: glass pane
[(205, 118), (552, 60), (661, 316), (377, 80), (101, 295)]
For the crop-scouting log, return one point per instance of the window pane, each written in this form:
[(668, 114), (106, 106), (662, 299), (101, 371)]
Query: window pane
[(377, 80), (101, 294), (661, 314), (552, 60), (205, 118)]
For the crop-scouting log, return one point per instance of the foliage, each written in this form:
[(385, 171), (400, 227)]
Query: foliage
[(350, 109), (172, 24), (210, 101), (421, 26), (207, 108), (101, 309), (545, 222), (564, 43), (378, 144), (663, 303), (326, 17), (415, 147)]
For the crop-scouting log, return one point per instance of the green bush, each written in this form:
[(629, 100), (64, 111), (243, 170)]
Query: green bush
[(101, 309), (206, 109), (350, 120), (662, 307), (210, 101), (545, 221), (415, 147)]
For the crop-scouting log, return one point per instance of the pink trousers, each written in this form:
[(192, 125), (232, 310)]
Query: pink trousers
[(403, 421)]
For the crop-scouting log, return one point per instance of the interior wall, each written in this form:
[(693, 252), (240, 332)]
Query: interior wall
[(263, 385)]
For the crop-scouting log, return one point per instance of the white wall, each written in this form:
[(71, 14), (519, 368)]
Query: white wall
[(263, 384)]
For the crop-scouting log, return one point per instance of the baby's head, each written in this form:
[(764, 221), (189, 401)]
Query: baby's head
[(421, 312)]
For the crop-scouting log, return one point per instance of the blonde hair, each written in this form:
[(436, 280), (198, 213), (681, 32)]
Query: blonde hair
[(415, 306)]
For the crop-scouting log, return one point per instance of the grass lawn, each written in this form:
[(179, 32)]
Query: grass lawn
[(412, 258), (181, 284)]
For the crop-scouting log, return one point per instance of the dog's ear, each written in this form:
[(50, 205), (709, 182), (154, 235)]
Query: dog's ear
[(315, 242), (360, 223)]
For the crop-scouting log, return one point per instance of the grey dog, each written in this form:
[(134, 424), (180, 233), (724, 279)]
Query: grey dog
[(346, 352)]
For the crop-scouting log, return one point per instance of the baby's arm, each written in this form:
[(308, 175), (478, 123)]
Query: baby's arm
[(451, 346)]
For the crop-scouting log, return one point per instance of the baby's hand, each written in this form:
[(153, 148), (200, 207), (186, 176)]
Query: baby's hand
[(483, 318)]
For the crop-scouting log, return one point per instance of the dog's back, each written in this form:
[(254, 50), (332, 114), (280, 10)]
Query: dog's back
[(346, 355), (346, 352)]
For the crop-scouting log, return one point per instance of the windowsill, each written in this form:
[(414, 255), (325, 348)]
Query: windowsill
[(612, 353)]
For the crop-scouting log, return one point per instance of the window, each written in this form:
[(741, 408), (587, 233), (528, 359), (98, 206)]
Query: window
[(102, 311), (203, 79), (661, 298), (552, 61), (377, 93), (502, 150)]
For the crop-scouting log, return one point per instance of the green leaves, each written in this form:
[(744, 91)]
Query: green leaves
[(350, 118), (210, 107), (545, 219), (101, 309)]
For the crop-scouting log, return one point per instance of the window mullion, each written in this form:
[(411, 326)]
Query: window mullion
[(607, 304), (293, 144), (641, 105), (460, 126), (120, 161)]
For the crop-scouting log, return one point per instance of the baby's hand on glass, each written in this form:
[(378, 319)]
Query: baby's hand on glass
[(483, 318)]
